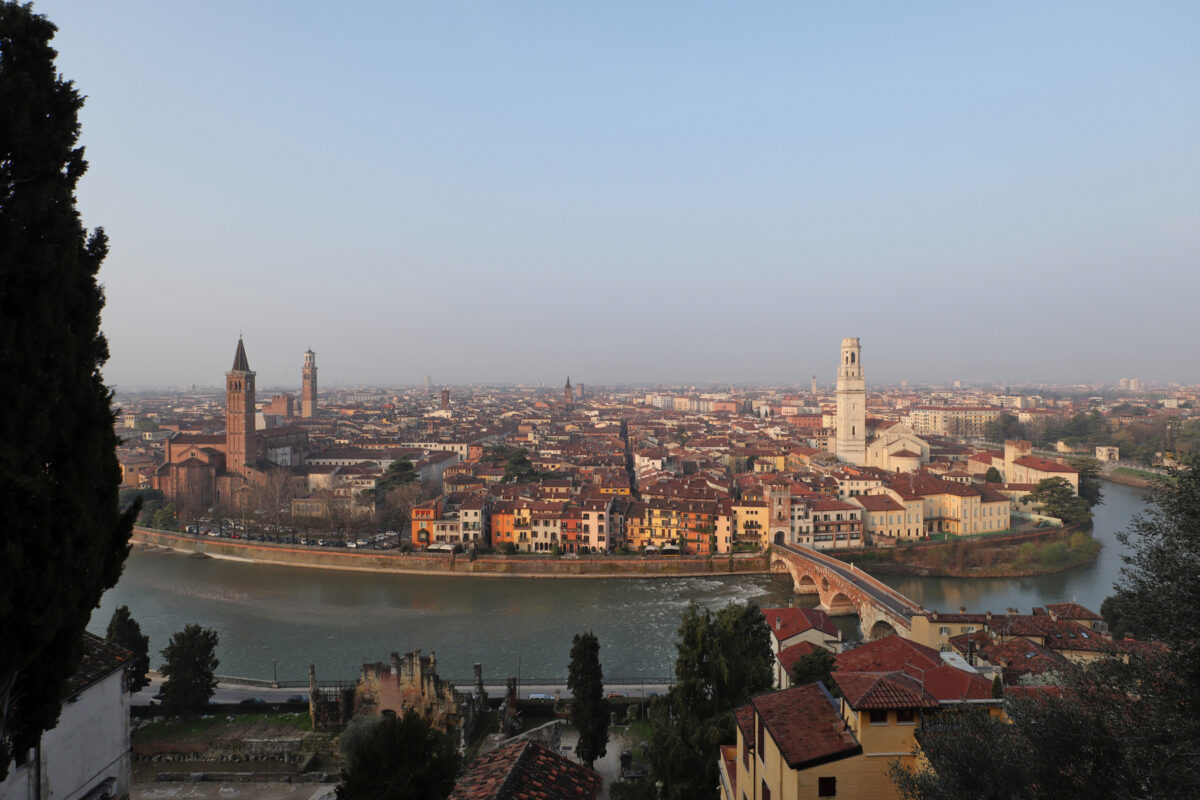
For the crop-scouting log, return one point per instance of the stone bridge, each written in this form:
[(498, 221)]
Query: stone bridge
[(845, 589)]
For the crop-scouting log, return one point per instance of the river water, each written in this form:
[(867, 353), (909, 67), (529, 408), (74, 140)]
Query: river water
[(284, 618)]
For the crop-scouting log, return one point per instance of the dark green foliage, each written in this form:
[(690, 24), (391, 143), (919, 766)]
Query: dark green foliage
[(1117, 611), (1089, 480), (1158, 592), (165, 518), (390, 758), (518, 468), (189, 670), (992, 476), (816, 666), (399, 473), (1006, 426), (124, 630), (62, 538), (997, 686), (589, 709), (724, 659), (152, 500), (1055, 497)]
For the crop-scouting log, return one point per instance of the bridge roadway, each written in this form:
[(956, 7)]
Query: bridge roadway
[(885, 598)]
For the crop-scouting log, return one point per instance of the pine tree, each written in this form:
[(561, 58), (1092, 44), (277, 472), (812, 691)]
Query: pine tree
[(396, 758), (189, 670), (62, 538), (589, 709), (124, 630)]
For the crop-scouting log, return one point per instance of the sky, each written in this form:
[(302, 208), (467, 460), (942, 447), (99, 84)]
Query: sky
[(631, 192)]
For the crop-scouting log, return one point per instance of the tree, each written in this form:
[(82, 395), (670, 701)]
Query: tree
[(815, 666), (62, 534), (724, 658), (1006, 426), (124, 630), (399, 473), (518, 468), (1157, 591), (1056, 497), (164, 518), (992, 476), (189, 670), (1089, 479), (390, 758), (589, 709)]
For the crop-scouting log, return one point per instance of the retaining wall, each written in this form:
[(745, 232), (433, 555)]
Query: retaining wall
[(451, 564)]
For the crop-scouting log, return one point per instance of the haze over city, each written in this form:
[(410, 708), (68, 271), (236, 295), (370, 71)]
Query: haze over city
[(674, 193)]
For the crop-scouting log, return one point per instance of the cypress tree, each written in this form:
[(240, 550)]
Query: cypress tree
[(124, 630), (62, 538), (589, 709)]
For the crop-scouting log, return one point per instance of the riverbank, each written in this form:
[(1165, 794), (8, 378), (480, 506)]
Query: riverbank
[(457, 564), (1018, 556), (1139, 479)]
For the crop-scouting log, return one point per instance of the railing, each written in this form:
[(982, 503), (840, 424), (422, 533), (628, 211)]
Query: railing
[(558, 680)]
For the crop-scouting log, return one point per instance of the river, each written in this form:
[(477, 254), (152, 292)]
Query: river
[(284, 618)]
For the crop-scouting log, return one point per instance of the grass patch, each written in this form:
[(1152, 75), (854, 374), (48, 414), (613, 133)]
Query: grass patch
[(1129, 472)]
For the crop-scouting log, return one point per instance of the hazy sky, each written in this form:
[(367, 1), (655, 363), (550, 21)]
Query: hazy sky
[(505, 191)]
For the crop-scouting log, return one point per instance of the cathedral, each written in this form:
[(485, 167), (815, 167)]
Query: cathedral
[(202, 471)]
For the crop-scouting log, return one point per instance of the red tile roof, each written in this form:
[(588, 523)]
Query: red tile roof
[(863, 690), (788, 656), (526, 771), (805, 725), (1044, 465), (1072, 611), (891, 653), (788, 622)]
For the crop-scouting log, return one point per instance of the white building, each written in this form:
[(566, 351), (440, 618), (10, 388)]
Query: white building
[(85, 756)]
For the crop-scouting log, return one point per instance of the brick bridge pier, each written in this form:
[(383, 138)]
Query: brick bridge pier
[(845, 589)]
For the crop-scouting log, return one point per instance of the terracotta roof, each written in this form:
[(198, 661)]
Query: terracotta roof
[(788, 622), (1072, 611), (101, 658), (888, 654), (878, 502), (525, 771), (1044, 465), (788, 656), (883, 690), (805, 725)]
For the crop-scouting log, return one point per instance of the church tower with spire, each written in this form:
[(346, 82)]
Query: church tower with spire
[(308, 385), (240, 438), (569, 393)]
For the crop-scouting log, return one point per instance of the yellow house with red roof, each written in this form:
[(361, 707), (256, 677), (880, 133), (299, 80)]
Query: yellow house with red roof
[(804, 743)]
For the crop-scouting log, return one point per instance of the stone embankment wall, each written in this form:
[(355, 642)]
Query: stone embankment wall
[(451, 564)]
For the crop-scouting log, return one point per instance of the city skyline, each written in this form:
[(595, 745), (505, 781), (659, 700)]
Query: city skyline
[(642, 195)]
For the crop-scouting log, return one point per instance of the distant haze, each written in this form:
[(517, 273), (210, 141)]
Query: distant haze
[(642, 192)]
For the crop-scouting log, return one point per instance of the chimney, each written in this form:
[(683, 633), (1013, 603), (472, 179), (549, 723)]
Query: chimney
[(779, 623)]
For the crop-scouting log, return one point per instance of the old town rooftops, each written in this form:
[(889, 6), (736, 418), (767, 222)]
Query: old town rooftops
[(805, 725), (880, 690), (525, 770), (788, 622)]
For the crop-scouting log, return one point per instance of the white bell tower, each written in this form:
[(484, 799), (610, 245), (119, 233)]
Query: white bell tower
[(851, 405)]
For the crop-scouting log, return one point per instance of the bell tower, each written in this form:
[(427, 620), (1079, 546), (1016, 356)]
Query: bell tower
[(851, 405), (308, 385), (568, 393), (240, 437)]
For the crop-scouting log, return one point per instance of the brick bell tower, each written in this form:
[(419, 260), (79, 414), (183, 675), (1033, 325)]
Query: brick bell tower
[(308, 385), (241, 441)]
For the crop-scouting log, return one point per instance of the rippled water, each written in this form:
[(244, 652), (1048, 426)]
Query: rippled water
[(338, 620)]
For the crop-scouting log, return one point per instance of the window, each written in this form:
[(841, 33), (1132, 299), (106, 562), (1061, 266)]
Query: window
[(904, 716), (944, 630), (766, 791), (745, 752), (826, 787), (761, 737), (878, 716)]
